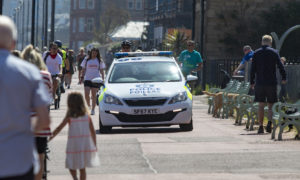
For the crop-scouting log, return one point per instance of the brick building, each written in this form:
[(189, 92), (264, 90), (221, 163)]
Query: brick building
[(85, 16), (167, 14)]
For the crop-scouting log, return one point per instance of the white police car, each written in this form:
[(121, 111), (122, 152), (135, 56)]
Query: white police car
[(145, 89)]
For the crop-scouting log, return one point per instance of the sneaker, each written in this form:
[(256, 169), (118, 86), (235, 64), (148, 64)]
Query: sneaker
[(269, 127), (260, 130), (92, 112)]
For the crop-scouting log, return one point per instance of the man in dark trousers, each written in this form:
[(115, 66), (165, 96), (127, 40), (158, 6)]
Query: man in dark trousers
[(263, 76)]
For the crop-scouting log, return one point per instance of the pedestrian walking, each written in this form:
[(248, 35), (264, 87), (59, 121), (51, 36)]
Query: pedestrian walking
[(29, 54), (22, 90), (92, 67), (283, 90), (81, 145), (69, 68), (79, 58), (263, 77), (190, 60)]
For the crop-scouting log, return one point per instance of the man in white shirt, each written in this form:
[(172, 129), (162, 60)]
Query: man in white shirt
[(53, 62)]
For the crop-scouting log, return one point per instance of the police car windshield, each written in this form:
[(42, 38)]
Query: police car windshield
[(136, 72)]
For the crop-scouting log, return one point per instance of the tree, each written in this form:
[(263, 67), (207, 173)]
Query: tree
[(176, 42), (237, 27), (245, 24), (111, 18), (279, 19)]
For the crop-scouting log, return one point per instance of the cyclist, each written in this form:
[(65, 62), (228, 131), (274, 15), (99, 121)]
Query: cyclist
[(190, 59), (126, 46), (54, 61), (64, 65)]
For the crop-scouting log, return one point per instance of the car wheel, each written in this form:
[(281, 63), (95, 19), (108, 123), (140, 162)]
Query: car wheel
[(187, 127), (104, 129)]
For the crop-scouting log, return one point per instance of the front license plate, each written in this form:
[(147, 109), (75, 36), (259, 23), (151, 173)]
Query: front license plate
[(145, 111)]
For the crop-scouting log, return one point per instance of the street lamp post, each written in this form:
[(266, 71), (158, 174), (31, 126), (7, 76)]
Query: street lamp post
[(46, 24), (1, 5), (21, 2), (52, 19), (33, 22)]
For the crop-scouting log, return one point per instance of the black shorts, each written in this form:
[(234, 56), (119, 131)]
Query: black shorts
[(41, 144), (90, 84), (266, 94), (27, 176)]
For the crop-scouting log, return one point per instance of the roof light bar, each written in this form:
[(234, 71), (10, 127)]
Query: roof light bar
[(147, 53)]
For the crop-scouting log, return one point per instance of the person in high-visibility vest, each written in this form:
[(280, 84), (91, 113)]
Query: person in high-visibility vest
[(64, 65)]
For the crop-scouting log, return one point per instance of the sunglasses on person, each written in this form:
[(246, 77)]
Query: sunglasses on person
[(54, 48), (190, 44)]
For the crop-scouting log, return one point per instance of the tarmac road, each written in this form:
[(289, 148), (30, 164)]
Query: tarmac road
[(215, 150)]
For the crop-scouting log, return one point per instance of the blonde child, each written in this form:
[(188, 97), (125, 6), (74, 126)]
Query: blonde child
[(81, 145)]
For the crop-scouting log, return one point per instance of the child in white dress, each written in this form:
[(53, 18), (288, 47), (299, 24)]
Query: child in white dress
[(81, 145)]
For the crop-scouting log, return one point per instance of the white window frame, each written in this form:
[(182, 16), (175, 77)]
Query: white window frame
[(130, 2), (89, 24), (82, 4), (80, 44), (91, 4), (139, 2), (81, 24), (74, 30), (74, 4)]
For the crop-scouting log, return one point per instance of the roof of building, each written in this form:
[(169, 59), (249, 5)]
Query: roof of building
[(133, 30)]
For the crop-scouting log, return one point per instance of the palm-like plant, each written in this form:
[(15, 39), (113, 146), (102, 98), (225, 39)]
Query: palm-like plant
[(175, 41)]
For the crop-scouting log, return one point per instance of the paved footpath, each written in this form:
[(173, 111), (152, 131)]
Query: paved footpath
[(214, 150)]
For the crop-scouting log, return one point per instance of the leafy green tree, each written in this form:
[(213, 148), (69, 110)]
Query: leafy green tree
[(111, 18), (245, 24), (176, 42), (279, 19)]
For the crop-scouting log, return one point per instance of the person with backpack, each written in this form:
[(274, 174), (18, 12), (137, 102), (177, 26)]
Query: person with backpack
[(53, 62), (92, 67)]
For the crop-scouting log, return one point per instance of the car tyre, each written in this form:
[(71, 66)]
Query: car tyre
[(187, 127), (104, 129)]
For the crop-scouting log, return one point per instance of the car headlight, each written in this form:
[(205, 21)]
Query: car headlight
[(178, 98), (108, 99)]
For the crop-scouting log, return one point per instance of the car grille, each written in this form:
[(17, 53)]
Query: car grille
[(145, 102), (168, 116)]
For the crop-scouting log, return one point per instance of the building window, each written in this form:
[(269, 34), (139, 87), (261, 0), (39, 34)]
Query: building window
[(79, 44), (156, 5), (81, 24), (74, 25), (130, 4), (90, 24), (81, 4), (90, 4), (138, 5), (74, 4)]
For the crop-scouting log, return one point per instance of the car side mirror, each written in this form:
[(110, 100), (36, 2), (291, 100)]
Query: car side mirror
[(191, 78)]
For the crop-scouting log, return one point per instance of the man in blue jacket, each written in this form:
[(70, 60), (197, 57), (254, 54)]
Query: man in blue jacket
[(248, 53), (263, 76)]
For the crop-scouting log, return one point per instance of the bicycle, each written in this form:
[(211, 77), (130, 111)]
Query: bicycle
[(45, 172)]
